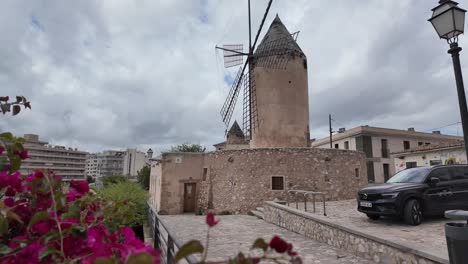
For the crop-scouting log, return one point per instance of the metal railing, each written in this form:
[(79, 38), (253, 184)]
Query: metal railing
[(304, 194), (164, 240)]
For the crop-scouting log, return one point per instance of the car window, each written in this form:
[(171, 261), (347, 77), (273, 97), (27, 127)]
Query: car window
[(459, 173), (443, 174)]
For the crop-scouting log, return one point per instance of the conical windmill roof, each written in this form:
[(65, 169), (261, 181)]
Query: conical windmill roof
[(236, 130), (276, 37)]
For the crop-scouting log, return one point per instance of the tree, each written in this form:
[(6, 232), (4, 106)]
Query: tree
[(109, 180), (144, 177), (187, 147)]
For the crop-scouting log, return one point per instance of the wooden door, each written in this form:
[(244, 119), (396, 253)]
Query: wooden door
[(189, 197)]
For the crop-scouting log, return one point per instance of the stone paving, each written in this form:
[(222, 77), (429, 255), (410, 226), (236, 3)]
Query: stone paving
[(236, 233), (428, 237)]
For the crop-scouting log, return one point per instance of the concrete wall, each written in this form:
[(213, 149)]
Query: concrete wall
[(282, 106), (133, 162), (239, 181), (425, 158)]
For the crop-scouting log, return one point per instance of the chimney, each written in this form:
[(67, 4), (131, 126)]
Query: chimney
[(436, 132), (411, 129), (341, 130)]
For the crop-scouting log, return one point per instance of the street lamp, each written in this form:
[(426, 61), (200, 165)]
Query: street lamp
[(449, 21)]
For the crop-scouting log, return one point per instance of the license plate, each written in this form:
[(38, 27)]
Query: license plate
[(365, 204)]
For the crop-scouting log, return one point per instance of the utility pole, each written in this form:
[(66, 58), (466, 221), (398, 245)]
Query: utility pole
[(331, 130)]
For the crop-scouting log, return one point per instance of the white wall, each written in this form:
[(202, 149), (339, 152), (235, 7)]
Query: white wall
[(423, 159)]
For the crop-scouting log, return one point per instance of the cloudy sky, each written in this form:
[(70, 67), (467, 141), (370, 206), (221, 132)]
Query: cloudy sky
[(120, 73)]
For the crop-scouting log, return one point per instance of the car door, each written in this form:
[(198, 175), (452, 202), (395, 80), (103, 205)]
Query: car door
[(460, 186), (439, 197)]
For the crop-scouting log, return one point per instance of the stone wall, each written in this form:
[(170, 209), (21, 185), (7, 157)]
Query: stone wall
[(241, 180), (359, 244)]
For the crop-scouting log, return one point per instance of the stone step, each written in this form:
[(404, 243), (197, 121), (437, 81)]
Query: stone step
[(260, 209), (257, 214)]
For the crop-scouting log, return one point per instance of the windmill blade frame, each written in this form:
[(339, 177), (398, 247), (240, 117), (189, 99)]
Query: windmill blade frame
[(230, 103)]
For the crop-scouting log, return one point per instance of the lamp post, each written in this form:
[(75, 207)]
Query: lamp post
[(449, 21)]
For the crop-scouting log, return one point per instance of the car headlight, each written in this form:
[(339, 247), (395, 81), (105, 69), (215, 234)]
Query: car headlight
[(390, 195)]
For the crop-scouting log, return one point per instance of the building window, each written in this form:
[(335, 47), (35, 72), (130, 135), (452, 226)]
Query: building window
[(277, 183), (205, 172), (427, 143), (384, 144), (337, 146), (356, 172), (386, 171), (435, 162), (346, 145), (406, 145), (412, 164), (420, 143)]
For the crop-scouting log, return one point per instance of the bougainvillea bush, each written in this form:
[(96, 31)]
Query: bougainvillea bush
[(42, 223)]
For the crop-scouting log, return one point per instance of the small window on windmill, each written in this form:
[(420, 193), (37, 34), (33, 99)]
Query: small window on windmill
[(205, 173), (277, 183), (178, 159)]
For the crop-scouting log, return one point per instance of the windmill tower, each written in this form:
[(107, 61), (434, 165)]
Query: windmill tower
[(275, 103)]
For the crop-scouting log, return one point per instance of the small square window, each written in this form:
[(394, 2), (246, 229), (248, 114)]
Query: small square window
[(337, 146), (406, 145), (277, 183)]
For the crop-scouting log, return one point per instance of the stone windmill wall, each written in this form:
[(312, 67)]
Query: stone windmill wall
[(282, 99)]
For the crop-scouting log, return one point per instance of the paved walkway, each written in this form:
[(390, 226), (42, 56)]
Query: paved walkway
[(236, 233), (428, 237)]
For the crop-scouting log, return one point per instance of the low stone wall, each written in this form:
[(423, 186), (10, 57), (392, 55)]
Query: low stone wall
[(241, 180), (353, 241)]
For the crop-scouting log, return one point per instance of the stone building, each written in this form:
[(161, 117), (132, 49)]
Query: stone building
[(244, 172), (430, 155), (378, 143), (235, 139), (240, 180), (70, 163)]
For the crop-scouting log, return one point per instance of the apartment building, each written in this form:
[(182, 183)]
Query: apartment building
[(110, 163), (134, 161), (377, 143), (92, 166), (67, 162)]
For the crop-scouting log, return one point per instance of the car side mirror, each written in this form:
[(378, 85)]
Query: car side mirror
[(434, 181)]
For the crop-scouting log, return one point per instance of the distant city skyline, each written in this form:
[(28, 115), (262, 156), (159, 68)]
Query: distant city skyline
[(116, 75)]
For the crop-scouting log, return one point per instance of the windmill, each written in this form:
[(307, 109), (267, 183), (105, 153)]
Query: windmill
[(270, 54)]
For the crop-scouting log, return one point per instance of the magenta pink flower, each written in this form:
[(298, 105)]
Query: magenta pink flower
[(210, 219), (279, 245), (22, 154), (10, 202), (81, 187), (43, 227), (2, 149)]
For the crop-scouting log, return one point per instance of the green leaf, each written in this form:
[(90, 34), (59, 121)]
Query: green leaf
[(15, 163), (16, 109), (7, 136), (4, 249), (10, 214), (48, 251), (189, 248), (141, 258), (39, 216), (260, 243), (3, 225)]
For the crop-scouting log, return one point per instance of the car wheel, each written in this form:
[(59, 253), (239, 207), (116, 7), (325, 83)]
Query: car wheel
[(373, 216), (413, 212)]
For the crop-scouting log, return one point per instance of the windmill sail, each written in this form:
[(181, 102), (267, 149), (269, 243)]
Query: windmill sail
[(233, 55), (230, 103)]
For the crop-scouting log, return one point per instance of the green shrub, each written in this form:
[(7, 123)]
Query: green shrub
[(130, 200), (108, 180)]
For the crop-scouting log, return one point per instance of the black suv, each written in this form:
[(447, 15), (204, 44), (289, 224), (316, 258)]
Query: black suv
[(415, 192)]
